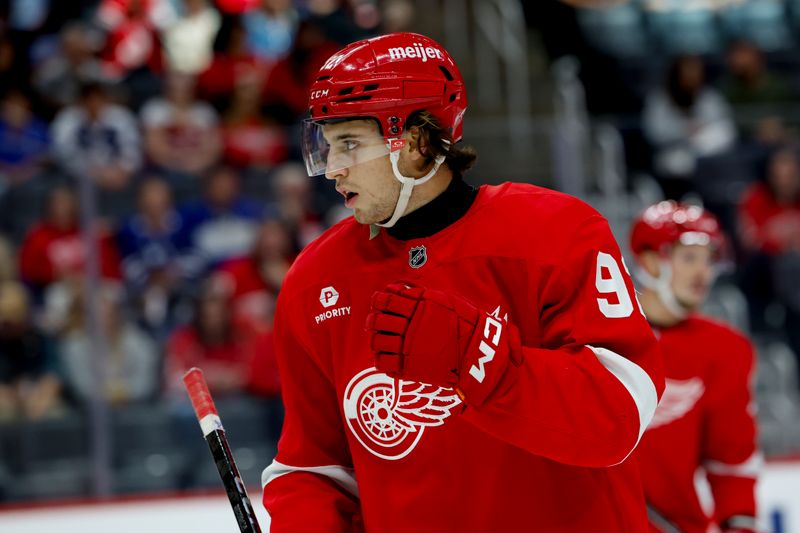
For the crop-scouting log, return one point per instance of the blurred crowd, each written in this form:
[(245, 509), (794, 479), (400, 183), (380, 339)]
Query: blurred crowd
[(183, 117), (177, 120), (707, 99), (745, 167)]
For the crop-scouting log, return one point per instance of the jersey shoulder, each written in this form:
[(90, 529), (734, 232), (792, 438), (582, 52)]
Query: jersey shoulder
[(550, 224), (530, 203), (714, 327)]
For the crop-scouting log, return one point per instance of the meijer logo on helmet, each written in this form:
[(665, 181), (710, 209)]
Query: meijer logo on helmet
[(417, 51)]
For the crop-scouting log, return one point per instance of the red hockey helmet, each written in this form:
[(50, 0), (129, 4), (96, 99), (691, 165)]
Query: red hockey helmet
[(385, 78), (666, 223)]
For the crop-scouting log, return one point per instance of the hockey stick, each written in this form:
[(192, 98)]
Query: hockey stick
[(214, 434), (658, 520)]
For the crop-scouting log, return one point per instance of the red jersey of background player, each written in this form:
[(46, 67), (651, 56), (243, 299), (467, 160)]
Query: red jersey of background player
[(705, 421), (705, 412), (546, 448)]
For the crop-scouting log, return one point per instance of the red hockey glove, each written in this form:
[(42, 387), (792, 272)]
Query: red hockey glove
[(438, 338)]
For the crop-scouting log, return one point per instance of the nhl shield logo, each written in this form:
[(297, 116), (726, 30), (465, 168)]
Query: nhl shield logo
[(417, 256)]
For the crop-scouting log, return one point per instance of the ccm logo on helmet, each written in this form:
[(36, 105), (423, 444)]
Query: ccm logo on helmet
[(417, 51), (319, 94)]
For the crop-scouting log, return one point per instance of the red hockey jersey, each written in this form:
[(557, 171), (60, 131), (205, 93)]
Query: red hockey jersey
[(705, 420), (545, 452)]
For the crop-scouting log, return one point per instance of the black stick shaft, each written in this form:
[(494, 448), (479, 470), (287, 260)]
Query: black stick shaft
[(237, 493)]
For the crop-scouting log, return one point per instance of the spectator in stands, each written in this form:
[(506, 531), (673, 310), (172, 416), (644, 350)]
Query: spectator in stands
[(770, 209), (24, 140), (749, 80), (237, 357), (294, 198), (286, 86), (213, 341), (181, 133), (8, 75), (26, 16), (6, 60), (252, 140), (334, 17), (188, 44), (131, 358), (270, 29), (29, 383), (683, 121), (153, 245), (26, 25), (224, 223), (750, 85), (252, 282), (8, 261), (237, 7), (769, 217), (97, 139), (54, 250), (58, 80), (398, 15), (132, 40), (366, 15), (132, 54), (232, 61)]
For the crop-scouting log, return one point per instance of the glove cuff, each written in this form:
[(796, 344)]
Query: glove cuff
[(494, 343)]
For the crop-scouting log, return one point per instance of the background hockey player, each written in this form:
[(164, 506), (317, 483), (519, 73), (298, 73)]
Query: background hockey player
[(506, 371), (706, 417)]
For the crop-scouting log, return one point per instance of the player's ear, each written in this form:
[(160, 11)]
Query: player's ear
[(651, 262), (415, 145)]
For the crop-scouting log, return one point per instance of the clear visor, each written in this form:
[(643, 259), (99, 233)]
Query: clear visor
[(336, 146)]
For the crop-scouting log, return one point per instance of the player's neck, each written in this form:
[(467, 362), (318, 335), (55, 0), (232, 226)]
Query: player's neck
[(445, 202), (656, 312), (427, 192)]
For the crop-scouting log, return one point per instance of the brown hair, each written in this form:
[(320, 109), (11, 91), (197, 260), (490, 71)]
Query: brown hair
[(435, 140)]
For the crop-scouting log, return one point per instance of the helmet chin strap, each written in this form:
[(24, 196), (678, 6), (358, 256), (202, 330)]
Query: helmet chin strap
[(661, 286), (407, 185)]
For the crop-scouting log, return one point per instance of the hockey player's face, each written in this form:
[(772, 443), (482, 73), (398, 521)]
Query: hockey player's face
[(365, 181), (692, 274)]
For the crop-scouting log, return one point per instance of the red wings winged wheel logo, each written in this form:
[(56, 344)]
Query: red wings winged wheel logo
[(388, 417)]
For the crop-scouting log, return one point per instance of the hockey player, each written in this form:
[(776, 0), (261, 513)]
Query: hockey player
[(705, 419), (452, 359)]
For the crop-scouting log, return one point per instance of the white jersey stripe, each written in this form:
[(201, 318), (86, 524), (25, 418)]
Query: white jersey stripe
[(343, 476), (750, 467), (636, 381), (742, 522)]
